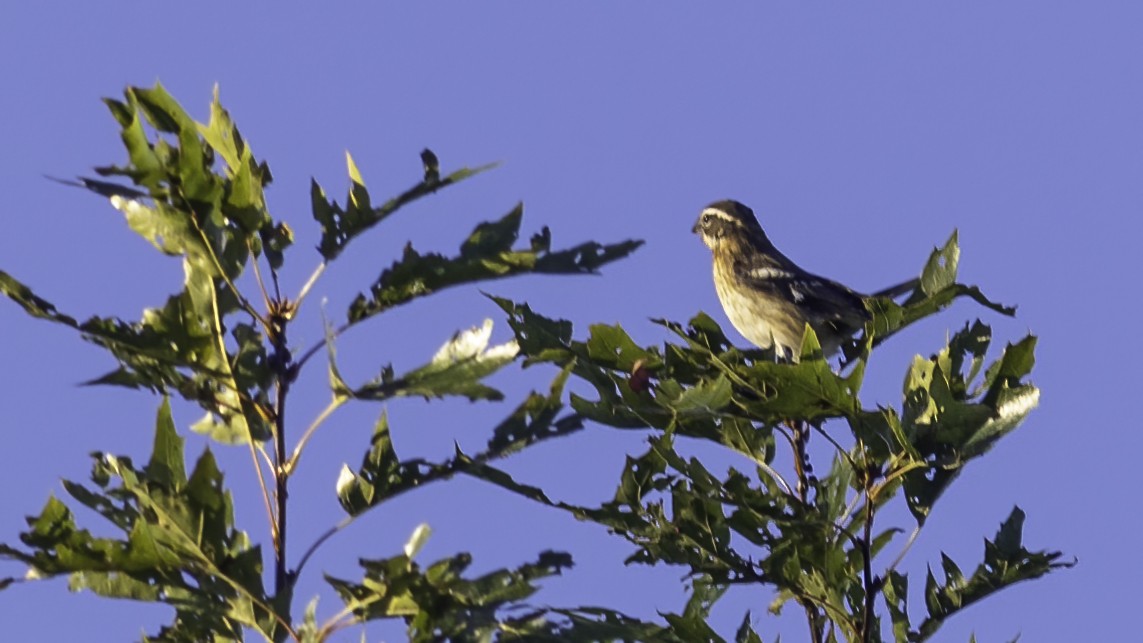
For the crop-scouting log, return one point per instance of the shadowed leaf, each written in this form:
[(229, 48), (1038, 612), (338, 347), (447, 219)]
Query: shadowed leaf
[(341, 225), (485, 255)]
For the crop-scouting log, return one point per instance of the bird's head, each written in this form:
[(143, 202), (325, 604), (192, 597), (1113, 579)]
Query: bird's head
[(728, 220)]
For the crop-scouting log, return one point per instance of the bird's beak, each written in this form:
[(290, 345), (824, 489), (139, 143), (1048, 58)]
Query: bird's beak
[(695, 229)]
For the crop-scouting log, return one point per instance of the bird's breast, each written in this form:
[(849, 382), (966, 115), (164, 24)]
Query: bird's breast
[(759, 317)]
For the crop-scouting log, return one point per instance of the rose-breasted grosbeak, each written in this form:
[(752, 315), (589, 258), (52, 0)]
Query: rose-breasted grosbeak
[(768, 297)]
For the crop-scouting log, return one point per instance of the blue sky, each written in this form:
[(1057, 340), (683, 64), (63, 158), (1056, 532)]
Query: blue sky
[(861, 135)]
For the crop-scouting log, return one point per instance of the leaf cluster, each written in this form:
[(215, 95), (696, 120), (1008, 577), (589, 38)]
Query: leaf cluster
[(813, 542), (179, 544), (196, 192)]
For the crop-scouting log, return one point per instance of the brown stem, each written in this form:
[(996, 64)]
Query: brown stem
[(867, 573), (816, 630), (283, 364), (801, 470), (281, 574)]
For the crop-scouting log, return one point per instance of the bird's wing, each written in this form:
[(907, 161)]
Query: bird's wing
[(820, 298)]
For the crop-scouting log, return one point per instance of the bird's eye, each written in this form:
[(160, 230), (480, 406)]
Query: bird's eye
[(707, 219)]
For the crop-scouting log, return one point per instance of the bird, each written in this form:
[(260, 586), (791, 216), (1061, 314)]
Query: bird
[(769, 298)]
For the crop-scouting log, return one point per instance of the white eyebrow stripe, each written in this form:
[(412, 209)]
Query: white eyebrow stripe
[(721, 215)]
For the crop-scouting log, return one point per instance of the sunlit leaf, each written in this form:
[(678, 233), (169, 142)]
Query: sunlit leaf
[(456, 370), (940, 271), (946, 429)]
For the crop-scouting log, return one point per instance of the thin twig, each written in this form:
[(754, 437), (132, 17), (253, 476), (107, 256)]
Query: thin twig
[(249, 434), (310, 282), (242, 301), (262, 483), (274, 279), (850, 507), (265, 456), (770, 471), (912, 466), (786, 435), (312, 350), (329, 533), (904, 550), (258, 278), (829, 438), (321, 418)]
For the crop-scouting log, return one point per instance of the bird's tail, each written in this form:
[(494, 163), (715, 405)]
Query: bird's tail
[(900, 289)]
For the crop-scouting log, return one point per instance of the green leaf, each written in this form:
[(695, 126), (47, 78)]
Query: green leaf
[(176, 543), (539, 338), (746, 633), (383, 475), (833, 490), (1006, 562), (1006, 373), (337, 383), (704, 594), (896, 592), (456, 369), (215, 221), (706, 397), (603, 624), (676, 512), (940, 270), (181, 335), (439, 603), (341, 225), (146, 167), (535, 419), (380, 473), (964, 357), (308, 630), (166, 465), (222, 135), (161, 109), (31, 303), (692, 625), (504, 481), (946, 429), (484, 256), (938, 290)]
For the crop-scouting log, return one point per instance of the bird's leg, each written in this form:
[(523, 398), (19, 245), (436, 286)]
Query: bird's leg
[(800, 430)]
